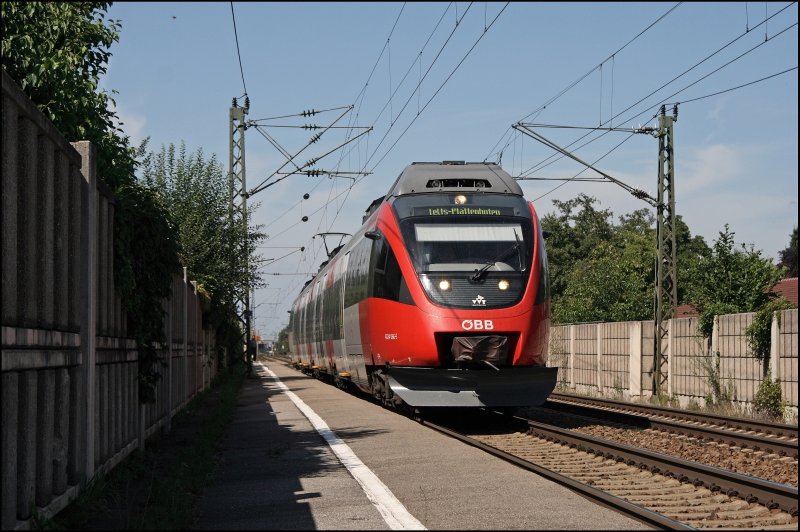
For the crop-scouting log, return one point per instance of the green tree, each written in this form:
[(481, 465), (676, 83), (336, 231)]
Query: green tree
[(691, 251), (575, 230), (789, 256), (195, 191), (731, 280), (57, 52), (615, 283), (608, 274), (282, 343)]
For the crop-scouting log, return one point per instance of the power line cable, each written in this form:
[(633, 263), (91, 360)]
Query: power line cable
[(685, 101), (543, 106), (439, 53), (417, 60), (416, 90), (554, 157), (458, 23), (440, 87), (737, 87), (357, 181), (238, 53)]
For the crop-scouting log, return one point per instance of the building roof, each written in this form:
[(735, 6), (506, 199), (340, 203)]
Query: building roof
[(786, 288)]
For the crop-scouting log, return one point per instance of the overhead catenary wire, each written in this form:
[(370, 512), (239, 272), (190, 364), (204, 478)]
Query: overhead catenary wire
[(634, 191), (555, 157), (570, 86), (422, 79), (738, 86), (358, 99), (238, 53), (627, 138), (486, 29), (418, 59), (263, 184), (449, 37), (482, 35), (393, 122)]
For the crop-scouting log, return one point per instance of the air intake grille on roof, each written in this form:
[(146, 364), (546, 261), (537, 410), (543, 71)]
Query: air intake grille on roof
[(458, 183)]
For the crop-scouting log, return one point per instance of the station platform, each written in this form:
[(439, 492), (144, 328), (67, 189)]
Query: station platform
[(301, 454)]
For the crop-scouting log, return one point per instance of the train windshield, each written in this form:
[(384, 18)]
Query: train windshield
[(454, 247)]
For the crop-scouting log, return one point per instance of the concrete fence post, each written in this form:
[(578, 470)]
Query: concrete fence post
[(774, 348), (635, 359), (10, 395), (715, 365), (9, 214), (572, 356), (670, 364), (599, 358), (88, 298)]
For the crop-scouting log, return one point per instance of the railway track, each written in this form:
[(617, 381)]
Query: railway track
[(661, 490), (775, 439)]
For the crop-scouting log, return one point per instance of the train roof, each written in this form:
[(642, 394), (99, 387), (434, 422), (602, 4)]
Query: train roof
[(454, 176)]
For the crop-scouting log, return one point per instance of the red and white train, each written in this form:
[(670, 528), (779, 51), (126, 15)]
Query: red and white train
[(440, 299)]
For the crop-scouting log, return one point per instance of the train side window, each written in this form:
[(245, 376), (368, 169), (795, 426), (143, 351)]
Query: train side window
[(543, 286), (356, 287)]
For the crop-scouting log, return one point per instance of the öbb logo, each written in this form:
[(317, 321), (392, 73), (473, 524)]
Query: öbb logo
[(477, 325)]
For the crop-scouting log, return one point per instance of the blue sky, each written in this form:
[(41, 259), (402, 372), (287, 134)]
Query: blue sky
[(176, 70)]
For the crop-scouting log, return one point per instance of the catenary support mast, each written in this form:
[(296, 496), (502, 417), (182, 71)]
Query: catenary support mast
[(237, 183), (666, 272)]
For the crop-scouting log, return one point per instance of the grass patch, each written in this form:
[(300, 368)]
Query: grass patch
[(157, 489)]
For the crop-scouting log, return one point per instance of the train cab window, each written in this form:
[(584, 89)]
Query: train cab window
[(439, 247)]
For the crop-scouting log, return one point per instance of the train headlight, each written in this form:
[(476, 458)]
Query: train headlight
[(503, 285), (461, 199), (444, 285)]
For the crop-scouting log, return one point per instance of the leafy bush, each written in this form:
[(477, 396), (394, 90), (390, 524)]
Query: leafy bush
[(759, 333), (768, 398)]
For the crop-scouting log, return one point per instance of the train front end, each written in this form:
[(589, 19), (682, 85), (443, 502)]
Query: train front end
[(473, 262)]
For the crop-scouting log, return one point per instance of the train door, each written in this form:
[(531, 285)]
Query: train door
[(339, 344), (355, 317), (317, 354)]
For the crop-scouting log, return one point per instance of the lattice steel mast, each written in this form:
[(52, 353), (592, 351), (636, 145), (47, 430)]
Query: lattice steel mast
[(237, 185), (666, 270)]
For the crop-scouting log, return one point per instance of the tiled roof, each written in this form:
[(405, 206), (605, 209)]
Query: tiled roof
[(788, 289), (685, 311), (785, 287)]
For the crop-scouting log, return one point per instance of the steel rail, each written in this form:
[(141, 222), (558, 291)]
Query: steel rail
[(606, 499), (751, 489), (776, 430), (757, 442)]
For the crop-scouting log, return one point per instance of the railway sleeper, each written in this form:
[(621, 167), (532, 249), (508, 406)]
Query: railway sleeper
[(779, 521), (633, 485), (712, 512), (673, 491), (702, 503), (654, 498)]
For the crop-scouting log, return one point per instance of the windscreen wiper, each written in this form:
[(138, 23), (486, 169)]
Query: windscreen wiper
[(481, 272)]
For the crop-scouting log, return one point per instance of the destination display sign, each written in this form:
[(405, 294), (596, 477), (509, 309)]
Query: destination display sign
[(461, 210)]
